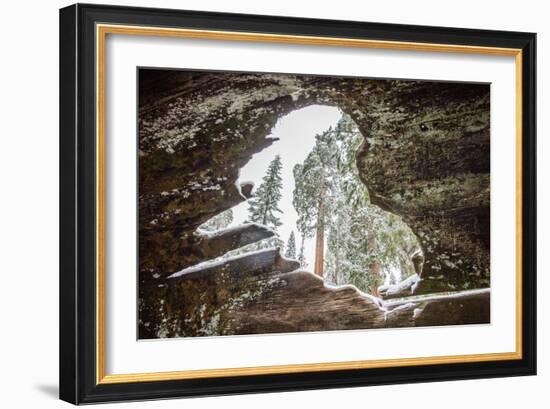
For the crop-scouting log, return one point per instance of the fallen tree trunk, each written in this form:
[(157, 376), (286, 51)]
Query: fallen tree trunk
[(464, 307), (399, 290), (262, 293), (244, 265), (212, 245)]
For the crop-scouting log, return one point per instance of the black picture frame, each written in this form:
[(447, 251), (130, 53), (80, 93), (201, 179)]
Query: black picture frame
[(78, 150)]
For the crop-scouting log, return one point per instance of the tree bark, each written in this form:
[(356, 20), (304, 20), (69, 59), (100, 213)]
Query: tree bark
[(375, 267), (245, 265), (337, 257), (320, 238)]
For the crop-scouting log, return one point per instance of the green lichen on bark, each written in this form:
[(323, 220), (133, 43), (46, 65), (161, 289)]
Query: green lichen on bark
[(430, 163)]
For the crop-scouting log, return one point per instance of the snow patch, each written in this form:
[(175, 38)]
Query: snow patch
[(337, 288), (398, 308), (424, 298), (204, 234), (417, 312)]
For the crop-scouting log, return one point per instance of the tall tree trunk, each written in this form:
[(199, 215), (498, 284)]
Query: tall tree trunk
[(337, 258), (375, 269), (264, 216), (320, 237)]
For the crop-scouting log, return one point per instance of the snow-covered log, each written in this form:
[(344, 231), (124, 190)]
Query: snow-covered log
[(243, 265), (463, 307), (300, 301), (252, 294), (214, 244), (402, 289)]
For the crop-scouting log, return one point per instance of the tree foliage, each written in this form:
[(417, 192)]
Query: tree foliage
[(291, 246), (366, 246), (316, 186), (314, 183), (264, 204), (263, 207)]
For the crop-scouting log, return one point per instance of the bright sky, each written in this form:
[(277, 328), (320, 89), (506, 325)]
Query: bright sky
[(296, 133)]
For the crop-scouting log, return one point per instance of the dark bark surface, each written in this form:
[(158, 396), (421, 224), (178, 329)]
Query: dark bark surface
[(264, 293), (425, 158), (467, 307)]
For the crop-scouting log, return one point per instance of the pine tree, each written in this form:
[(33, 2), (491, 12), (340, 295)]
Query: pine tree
[(265, 201), (291, 246), (314, 183), (366, 245), (264, 205)]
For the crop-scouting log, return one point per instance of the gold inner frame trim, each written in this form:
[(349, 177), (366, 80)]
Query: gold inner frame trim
[(101, 33)]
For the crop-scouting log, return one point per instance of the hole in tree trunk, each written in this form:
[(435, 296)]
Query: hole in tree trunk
[(323, 216), (423, 163)]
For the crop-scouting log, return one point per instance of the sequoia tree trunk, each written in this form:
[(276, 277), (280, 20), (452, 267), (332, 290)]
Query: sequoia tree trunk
[(320, 237), (375, 269)]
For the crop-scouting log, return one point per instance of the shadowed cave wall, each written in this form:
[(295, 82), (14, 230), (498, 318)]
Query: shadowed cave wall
[(425, 157)]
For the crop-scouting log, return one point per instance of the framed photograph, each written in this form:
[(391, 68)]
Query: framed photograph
[(257, 203)]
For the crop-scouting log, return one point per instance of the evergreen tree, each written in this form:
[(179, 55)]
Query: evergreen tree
[(366, 246), (314, 189), (218, 222), (265, 201), (291, 246), (264, 206)]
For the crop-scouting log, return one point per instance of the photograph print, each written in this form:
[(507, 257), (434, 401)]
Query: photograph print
[(283, 203)]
